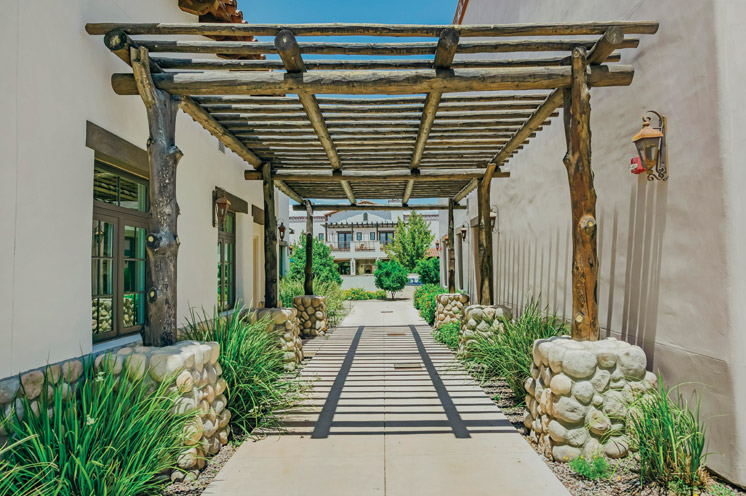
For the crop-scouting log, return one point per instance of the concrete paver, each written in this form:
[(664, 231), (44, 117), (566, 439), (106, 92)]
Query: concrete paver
[(390, 413)]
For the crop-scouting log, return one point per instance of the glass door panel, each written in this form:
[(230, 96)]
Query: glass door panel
[(133, 277), (102, 276)]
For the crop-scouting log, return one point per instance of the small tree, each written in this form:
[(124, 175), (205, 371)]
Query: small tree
[(411, 241), (390, 276), (428, 270), (323, 266)]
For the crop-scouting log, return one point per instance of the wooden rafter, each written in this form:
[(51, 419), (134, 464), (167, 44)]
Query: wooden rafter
[(319, 206)]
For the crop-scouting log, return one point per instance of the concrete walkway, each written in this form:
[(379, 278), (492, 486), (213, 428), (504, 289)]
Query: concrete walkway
[(390, 413)]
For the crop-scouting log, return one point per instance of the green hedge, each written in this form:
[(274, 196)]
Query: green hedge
[(362, 294), (424, 301), (448, 334)]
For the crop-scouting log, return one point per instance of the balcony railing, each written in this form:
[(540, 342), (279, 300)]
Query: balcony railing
[(357, 246), (366, 245)]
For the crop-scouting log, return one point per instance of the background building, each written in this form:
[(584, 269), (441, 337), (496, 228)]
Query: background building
[(357, 238)]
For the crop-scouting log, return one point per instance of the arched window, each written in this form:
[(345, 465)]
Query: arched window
[(365, 217)]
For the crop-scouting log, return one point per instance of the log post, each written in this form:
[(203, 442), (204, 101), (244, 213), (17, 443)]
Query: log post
[(451, 255), (162, 244), (577, 113), (308, 281), (270, 238), (485, 243)]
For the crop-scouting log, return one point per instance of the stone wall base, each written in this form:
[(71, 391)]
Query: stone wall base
[(284, 322), (450, 308), (578, 394), (311, 311), (480, 320)]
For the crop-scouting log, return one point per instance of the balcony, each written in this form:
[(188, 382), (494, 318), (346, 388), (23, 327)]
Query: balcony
[(374, 248)]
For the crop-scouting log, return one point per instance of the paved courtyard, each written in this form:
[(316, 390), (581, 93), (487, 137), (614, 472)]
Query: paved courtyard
[(390, 413)]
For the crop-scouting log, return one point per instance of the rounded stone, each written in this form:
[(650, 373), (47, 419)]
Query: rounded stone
[(72, 370), (614, 405), (560, 384), (616, 447), (214, 352), (164, 366), (579, 364), (591, 448), (555, 356), (184, 382), (557, 431), (224, 418), (606, 358), (530, 385), (569, 410), (136, 366), (597, 422), (565, 453), (583, 391), (53, 373), (210, 427), (577, 437), (187, 459), (223, 436), (213, 446), (8, 389), (184, 404), (32, 383), (193, 431), (632, 362), (598, 400), (219, 404), (600, 380)]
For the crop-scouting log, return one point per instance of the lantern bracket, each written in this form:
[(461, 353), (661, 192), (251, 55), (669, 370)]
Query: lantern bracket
[(660, 171)]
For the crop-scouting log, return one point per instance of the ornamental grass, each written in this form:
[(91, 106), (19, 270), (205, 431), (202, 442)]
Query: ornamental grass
[(110, 435), (252, 364)]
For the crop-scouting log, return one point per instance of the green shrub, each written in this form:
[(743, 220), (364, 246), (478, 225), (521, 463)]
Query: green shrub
[(111, 435), (390, 276), (670, 439), (448, 334), (424, 301), (595, 469), (323, 267), (25, 479), (252, 365), (508, 353), (428, 270), (362, 294)]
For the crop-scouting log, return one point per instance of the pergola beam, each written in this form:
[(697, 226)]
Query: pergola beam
[(353, 176), (444, 53), (190, 64), (373, 82), (537, 98), (290, 54), (280, 184), (322, 206)]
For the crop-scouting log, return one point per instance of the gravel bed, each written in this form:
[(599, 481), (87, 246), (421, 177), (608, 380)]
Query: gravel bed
[(625, 479)]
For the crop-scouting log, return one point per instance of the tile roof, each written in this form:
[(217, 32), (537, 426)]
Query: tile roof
[(220, 11)]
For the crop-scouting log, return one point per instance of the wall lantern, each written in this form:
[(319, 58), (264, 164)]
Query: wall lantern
[(651, 146), (291, 248), (222, 204), (493, 217), (437, 244), (281, 229), (462, 231)]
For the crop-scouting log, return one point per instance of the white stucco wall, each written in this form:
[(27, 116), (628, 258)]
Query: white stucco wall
[(54, 78), (671, 264)]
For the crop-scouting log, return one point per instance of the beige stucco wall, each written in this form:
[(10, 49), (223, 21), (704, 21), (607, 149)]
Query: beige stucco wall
[(54, 78), (671, 264)]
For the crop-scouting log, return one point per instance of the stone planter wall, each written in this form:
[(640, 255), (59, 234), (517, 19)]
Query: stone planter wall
[(450, 308), (479, 320), (578, 394), (285, 325), (195, 367), (311, 311)]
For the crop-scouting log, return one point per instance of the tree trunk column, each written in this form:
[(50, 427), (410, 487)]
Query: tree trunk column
[(270, 238), (485, 244), (577, 112), (162, 242), (308, 281), (451, 254)]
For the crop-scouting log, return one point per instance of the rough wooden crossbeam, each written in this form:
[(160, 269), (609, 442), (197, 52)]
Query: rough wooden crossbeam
[(444, 53), (120, 44), (321, 206), (331, 65), (291, 57), (279, 184), (357, 29), (398, 100), (375, 49), (359, 176), (373, 82)]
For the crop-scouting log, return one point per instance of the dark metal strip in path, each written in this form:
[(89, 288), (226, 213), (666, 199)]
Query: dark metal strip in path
[(454, 419), (324, 423)]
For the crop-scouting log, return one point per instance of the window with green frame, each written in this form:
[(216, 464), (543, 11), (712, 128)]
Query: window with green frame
[(227, 262), (118, 259)]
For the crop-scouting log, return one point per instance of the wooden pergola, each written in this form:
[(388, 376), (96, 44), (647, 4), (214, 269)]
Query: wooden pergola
[(419, 119)]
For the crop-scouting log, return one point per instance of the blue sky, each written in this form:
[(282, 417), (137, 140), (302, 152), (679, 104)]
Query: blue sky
[(377, 11)]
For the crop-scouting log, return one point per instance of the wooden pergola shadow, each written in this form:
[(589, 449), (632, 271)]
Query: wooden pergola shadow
[(428, 124)]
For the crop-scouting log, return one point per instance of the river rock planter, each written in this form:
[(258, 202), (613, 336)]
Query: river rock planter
[(450, 308), (311, 310), (197, 373), (480, 320), (284, 322), (578, 394)]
